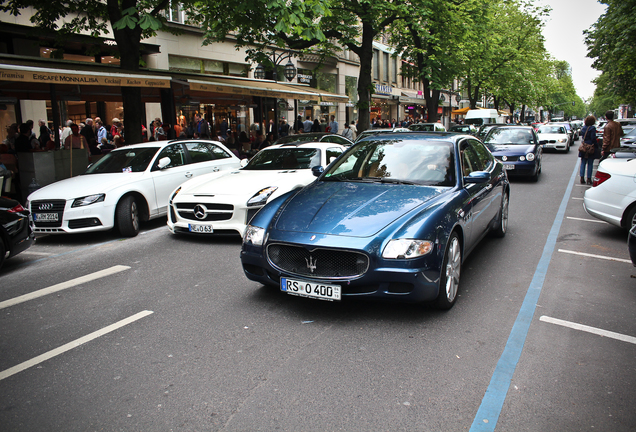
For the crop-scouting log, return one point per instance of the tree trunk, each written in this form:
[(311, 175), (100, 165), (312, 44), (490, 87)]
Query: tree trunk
[(522, 116), (365, 81), (128, 43), (432, 101)]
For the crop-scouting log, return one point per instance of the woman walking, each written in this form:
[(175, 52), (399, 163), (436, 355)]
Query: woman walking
[(588, 148)]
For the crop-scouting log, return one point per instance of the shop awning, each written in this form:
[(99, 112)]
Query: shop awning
[(30, 74), (251, 87), (462, 111)]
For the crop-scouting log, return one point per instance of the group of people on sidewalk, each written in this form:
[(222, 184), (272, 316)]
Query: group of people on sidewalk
[(590, 147)]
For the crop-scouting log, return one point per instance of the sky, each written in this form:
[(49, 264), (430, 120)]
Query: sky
[(564, 38)]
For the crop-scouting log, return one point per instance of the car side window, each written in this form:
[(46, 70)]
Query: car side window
[(175, 152), (470, 159), (204, 152), (484, 155), (332, 154)]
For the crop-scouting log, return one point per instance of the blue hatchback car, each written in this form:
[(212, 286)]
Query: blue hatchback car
[(519, 149), (392, 218)]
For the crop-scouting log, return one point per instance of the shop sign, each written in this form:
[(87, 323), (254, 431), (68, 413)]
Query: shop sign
[(304, 79), (45, 77), (323, 103), (383, 89)]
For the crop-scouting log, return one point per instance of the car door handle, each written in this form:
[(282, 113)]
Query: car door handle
[(188, 174)]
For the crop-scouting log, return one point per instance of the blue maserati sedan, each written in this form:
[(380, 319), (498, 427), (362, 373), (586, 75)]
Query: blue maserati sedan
[(393, 218)]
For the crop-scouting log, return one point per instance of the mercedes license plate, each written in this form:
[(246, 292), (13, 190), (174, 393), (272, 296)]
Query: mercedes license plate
[(310, 289), (45, 217), (509, 166), (206, 229)]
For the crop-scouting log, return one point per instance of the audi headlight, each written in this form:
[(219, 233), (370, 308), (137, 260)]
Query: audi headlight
[(530, 156), (260, 197), (407, 248), (254, 235), (88, 200)]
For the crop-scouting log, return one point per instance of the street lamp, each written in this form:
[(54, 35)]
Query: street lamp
[(289, 73), (276, 60)]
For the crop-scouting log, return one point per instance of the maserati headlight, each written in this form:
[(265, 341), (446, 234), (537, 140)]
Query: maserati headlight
[(88, 200), (260, 197), (254, 235), (530, 156), (407, 248)]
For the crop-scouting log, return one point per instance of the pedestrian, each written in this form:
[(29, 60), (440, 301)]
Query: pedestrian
[(101, 132), (347, 133), (333, 125), (22, 142), (283, 129), (202, 127), (45, 133), (316, 126), (298, 125), (611, 135), (308, 125), (75, 140), (224, 128), (89, 133), (354, 129), (588, 149)]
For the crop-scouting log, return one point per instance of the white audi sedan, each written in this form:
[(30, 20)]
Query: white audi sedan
[(554, 136), (224, 204), (612, 197), (126, 186)]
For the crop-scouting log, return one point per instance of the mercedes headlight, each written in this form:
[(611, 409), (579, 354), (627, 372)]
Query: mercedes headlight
[(260, 197), (175, 194), (88, 200), (530, 157), (254, 235), (407, 248)]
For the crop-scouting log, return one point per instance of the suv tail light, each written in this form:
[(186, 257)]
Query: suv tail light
[(600, 177), (16, 209)]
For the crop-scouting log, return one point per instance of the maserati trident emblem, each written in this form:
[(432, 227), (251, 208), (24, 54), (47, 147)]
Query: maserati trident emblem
[(311, 263), (199, 211), (313, 237), (48, 206)]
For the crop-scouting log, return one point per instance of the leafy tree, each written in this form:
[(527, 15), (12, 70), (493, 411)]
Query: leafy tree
[(130, 20), (505, 41), (324, 26), (610, 42), (603, 101), (432, 39)]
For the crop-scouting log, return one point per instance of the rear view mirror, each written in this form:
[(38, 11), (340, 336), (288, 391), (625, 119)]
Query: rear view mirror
[(163, 163), (317, 170), (244, 162), (477, 177)]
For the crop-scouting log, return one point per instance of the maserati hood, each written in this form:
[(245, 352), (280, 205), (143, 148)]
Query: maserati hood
[(351, 209)]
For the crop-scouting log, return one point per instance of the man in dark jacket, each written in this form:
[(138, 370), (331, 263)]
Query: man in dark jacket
[(89, 133), (612, 134)]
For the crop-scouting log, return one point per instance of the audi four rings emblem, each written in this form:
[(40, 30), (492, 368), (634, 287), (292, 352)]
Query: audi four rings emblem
[(48, 206), (200, 211)]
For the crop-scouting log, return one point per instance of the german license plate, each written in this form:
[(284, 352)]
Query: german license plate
[(509, 166), (45, 217), (310, 289), (205, 229)]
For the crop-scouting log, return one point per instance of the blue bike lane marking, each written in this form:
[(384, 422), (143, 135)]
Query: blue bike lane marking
[(493, 400)]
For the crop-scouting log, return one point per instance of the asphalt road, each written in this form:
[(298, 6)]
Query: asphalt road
[(171, 336)]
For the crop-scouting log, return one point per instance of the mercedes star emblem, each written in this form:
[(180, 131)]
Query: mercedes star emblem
[(200, 211)]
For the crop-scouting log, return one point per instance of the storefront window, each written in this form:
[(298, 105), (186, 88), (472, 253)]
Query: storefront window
[(195, 65), (326, 81)]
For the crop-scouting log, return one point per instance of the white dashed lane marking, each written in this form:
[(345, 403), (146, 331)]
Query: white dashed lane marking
[(595, 256), (64, 285), (588, 329)]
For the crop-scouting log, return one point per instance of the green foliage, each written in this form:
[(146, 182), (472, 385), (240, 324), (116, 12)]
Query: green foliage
[(611, 41)]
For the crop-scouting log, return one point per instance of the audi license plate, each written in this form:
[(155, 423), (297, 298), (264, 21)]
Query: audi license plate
[(310, 289), (509, 166), (206, 229), (45, 217)]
